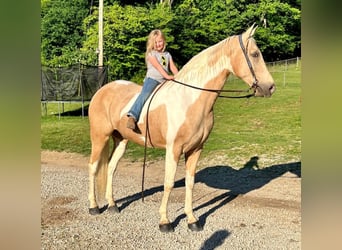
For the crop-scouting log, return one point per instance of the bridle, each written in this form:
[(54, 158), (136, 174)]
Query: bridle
[(244, 50), (218, 91)]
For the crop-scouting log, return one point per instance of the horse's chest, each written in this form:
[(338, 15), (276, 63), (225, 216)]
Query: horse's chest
[(200, 130)]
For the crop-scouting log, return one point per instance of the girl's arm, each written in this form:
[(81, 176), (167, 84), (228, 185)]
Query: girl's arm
[(173, 67), (157, 65)]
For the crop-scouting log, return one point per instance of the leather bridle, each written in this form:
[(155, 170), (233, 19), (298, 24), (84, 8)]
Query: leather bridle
[(250, 66)]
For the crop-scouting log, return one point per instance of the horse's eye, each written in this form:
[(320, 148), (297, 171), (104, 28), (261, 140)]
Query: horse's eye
[(255, 54)]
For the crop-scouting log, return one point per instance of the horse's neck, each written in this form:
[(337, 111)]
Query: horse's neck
[(209, 68), (207, 71), (217, 84)]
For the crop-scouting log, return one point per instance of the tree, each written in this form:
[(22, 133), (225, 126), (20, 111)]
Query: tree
[(200, 24), (61, 30), (125, 34), (279, 31)]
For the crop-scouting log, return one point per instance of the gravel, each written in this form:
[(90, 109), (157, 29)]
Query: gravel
[(265, 215)]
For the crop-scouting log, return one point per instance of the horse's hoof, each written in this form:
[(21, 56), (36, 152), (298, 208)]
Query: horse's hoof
[(94, 210), (113, 209), (166, 228), (196, 226)]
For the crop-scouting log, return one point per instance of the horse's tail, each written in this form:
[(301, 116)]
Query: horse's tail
[(101, 174)]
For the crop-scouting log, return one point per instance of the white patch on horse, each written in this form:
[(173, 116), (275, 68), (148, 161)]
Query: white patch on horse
[(128, 106), (173, 114)]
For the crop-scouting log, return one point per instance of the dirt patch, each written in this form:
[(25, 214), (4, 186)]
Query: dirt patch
[(63, 159), (54, 210)]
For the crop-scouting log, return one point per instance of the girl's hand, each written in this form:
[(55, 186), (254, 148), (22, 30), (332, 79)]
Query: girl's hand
[(170, 77)]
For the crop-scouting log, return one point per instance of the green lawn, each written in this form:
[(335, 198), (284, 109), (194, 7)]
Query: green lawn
[(269, 128)]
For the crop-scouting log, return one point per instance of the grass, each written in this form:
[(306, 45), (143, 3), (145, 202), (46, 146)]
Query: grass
[(269, 128)]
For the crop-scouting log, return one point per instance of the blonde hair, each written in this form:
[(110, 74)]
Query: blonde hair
[(152, 39)]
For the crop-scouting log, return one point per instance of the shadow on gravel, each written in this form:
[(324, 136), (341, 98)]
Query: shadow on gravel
[(239, 181), (215, 240), (235, 181)]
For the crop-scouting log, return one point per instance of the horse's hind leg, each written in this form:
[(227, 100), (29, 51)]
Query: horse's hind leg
[(93, 207), (99, 147), (119, 150), (191, 160)]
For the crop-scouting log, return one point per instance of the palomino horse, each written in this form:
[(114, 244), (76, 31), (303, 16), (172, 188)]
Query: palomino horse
[(180, 118)]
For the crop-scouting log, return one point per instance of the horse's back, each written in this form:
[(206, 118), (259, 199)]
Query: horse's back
[(114, 89), (109, 101), (119, 91)]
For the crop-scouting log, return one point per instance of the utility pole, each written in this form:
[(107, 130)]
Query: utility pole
[(100, 33)]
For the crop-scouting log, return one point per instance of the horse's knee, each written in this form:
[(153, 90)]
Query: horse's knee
[(190, 179), (92, 167), (168, 187)]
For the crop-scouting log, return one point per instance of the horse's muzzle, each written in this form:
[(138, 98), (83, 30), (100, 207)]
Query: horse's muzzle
[(265, 90)]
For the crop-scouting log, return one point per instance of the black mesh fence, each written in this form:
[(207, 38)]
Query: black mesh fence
[(75, 83)]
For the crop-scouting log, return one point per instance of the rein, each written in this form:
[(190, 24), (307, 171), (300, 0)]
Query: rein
[(147, 133), (218, 91)]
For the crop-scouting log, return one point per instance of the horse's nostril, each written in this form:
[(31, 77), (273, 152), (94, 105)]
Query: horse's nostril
[(272, 88)]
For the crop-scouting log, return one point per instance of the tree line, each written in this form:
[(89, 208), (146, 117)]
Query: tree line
[(69, 30)]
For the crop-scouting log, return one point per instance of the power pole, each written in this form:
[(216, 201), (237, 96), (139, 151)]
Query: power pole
[(100, 33)]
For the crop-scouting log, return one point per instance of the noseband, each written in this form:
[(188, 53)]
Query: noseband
[(244, 50)]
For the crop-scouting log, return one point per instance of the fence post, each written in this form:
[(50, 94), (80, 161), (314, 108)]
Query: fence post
[(80, 71)]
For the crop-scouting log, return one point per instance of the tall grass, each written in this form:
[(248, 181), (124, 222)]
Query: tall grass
[(269, 128)]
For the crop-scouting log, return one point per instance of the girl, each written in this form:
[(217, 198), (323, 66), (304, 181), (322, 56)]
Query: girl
[(159, 64)]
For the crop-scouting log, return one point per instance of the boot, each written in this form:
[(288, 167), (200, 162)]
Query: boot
[(131, 123)]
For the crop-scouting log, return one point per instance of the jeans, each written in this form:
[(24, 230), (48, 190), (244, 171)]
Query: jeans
[(147, 89)]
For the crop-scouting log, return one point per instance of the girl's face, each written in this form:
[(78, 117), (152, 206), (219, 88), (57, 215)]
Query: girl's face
[(159, 44)]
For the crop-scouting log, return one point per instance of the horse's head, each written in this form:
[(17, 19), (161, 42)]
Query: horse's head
[(248, 64)]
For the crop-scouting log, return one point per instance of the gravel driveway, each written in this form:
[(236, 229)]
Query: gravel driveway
[(244, 208)]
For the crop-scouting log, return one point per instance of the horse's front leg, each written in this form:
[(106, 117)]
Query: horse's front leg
[(191, 160), (171, 162)]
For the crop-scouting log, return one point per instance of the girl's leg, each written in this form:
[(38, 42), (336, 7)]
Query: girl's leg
[(148, 87)]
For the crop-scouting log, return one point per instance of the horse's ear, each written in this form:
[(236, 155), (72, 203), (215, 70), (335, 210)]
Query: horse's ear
[(250, 31)]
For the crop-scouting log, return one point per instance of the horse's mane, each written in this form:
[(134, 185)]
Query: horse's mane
[(205, 65)]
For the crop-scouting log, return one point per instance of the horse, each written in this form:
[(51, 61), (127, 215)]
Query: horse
[(180, 119)]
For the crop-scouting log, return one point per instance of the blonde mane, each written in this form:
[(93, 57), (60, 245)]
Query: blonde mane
[(205, 65)]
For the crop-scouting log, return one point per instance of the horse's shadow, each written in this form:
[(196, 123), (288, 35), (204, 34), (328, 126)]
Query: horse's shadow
[(235, 181)]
